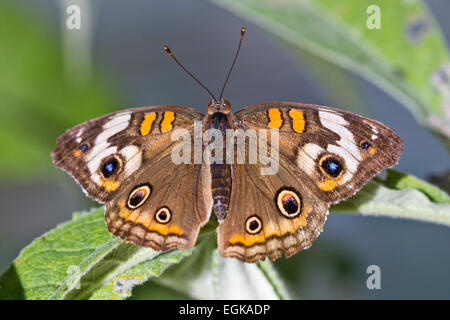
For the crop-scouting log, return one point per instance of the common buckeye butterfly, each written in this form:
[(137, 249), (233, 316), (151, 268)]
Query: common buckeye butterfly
[(124, 159)]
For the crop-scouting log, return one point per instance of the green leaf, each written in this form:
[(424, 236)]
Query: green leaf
[(81, 260), (122, 283), (400, 181), (400, 196), (40, 97), (407, 58), (207, 275)]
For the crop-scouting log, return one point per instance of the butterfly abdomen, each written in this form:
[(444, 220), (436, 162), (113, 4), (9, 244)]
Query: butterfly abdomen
[(220, 188), (220, 172)]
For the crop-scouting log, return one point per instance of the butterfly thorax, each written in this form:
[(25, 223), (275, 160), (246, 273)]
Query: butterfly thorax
[(219, 118)]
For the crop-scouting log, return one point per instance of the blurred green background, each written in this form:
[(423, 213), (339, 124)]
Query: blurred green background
[(52, 78)]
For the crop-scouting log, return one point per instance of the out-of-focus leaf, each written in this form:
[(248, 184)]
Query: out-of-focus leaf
[(38, 100), (207, 275), (81, 260), (408, 57), (400, 196), (442, 180), (398, 180)]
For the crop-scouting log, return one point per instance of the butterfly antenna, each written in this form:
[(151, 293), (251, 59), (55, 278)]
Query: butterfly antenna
[(234, 62), (188, 72)]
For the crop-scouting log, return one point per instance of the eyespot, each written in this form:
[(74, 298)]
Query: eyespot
[(332, 166), (111, 166), (138, 196), (163, 215), (365, 145), (368, 147), (83, 147), (253, 225), (289, 203)]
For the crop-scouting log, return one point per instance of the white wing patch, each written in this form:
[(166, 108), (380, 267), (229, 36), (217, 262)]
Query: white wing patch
[(375, 131), (110, 128), (102, 148), (94, 164), (78, 136), (337, 123), (307, 156), (119, 118), (133, 157), (347, 147)]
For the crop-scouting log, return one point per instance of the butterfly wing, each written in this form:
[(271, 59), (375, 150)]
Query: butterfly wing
[(312, 136), (131, 139), (269, 215), (124, 159), (325, 156), (164, 208)]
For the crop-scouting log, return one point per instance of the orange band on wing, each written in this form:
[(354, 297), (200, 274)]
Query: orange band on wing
[(269, 231), (146, 125), (146, 220), (166, 123), (165, 229), (275, 119), (298, 121)]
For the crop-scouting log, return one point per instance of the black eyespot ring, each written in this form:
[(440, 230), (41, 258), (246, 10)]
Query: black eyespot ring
[(331, 166), (253, 225), (289, 202), (138, 196), (111, 166), (163, 215)]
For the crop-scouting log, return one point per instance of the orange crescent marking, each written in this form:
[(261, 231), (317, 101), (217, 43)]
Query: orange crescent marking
[(330, 183), (327, 185), (166, 123), (372, 150), (275, 119), (146, 124), (110, 184), (77, 152), (298, 120)]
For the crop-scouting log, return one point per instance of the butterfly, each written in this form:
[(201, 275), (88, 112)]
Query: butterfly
[(125, 160)]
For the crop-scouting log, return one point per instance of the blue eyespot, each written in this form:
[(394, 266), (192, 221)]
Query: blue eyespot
[(110, 167), (83, 147), (365, 145), (332, 167)]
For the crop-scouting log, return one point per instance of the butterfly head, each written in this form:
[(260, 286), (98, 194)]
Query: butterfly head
[(222, 106)]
